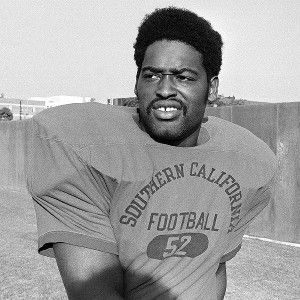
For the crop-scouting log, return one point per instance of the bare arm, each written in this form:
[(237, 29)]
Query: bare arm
[(221, 281), (89, 274)]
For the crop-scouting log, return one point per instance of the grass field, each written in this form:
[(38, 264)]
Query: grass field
[(260, 271)]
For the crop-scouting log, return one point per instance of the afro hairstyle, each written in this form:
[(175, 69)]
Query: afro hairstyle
[(182, 25)]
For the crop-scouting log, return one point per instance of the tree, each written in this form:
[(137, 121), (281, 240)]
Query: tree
[(6, 114), (216, 102), (131, 102)]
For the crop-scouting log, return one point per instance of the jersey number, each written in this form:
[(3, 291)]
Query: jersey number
[(176, 244)]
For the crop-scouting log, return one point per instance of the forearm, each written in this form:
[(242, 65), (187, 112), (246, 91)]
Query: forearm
[(87, 295), (95, 287), (89, 274), (92, 291), (221, 278)]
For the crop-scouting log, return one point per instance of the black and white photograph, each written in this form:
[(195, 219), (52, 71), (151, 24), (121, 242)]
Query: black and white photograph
[(149, 150)]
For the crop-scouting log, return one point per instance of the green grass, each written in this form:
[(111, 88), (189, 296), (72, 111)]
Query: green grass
[(23, 273), (260, 271), (264, 271)]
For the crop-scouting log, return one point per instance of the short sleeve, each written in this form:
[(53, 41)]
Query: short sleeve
[(255, 202), (71, 199)]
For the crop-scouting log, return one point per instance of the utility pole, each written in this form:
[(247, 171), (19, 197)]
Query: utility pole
[(20, 109)]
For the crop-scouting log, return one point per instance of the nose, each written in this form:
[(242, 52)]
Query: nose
[(166, 87)]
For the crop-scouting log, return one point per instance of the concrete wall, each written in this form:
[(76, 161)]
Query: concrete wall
[(276, 124), (12, 154)]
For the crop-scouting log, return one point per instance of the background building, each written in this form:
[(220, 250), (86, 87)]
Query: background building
[(219, 101), (23, 109), (26, 108), (62, 100), (129, 101)]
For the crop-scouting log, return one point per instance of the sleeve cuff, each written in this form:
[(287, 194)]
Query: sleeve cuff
[(231, 254), (46, 241)]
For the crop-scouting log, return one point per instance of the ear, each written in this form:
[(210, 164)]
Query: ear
[(135, 89), (213, 88), (136, 81)]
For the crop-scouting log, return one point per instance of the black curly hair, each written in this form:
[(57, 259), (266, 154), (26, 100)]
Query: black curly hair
[(179, 24)]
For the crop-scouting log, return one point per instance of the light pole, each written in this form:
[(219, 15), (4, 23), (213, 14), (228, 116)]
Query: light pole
[(20, 109)]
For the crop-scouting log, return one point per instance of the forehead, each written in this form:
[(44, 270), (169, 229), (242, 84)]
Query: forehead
[(172, 54)]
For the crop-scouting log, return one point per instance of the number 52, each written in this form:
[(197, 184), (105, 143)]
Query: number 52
[(175, 245)]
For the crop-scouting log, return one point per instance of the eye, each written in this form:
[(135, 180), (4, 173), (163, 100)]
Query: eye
[(183, 77), (151, 75)]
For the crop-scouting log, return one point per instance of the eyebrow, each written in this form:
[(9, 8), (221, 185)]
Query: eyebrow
[(172, 70)]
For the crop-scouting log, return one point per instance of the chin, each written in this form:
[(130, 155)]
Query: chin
[(166, 137)]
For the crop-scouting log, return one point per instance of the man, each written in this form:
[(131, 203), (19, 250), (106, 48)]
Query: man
[(149, 205)]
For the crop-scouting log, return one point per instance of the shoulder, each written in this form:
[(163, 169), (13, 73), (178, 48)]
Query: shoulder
[(82, 111), (249, 153), (82, 124), (104, 137)]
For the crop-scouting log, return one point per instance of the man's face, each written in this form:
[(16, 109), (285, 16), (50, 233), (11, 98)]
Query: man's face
[(172, 90)]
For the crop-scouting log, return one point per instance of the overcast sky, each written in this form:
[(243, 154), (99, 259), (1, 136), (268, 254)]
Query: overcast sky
[(84, 47)]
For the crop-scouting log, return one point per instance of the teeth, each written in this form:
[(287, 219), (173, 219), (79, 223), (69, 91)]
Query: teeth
[(171, 108), (167, 109)]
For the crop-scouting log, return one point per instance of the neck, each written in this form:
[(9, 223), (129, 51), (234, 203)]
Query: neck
[(190, 141)]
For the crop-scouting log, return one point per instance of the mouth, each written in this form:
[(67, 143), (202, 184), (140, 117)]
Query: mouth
[(166, 113), (166, 110)]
